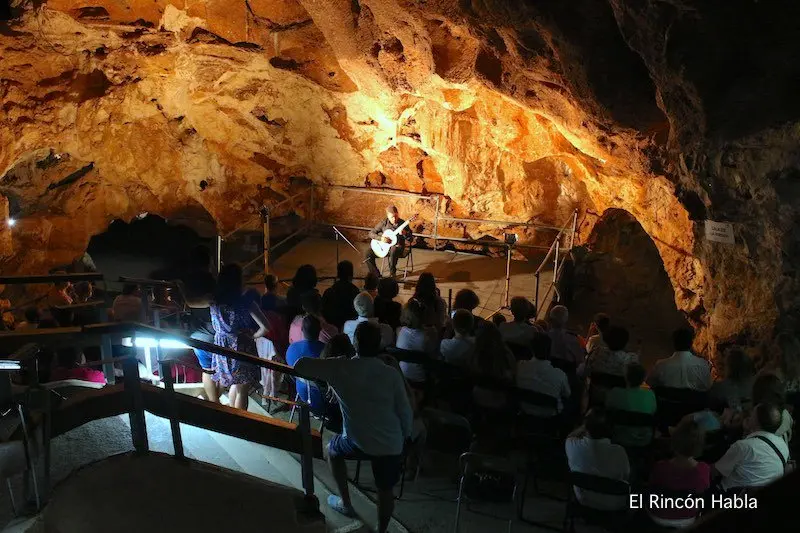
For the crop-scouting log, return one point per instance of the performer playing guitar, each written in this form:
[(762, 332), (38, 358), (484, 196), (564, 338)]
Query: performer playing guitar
[(381, 237)]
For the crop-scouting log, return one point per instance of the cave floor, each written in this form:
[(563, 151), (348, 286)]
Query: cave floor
[(453, 270)]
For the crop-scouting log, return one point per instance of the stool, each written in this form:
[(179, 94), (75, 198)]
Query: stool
[(408, 256)]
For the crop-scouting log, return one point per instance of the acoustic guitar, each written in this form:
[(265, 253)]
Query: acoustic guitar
[(381, 248)]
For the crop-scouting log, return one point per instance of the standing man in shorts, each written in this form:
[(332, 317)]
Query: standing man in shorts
[(377, 418)]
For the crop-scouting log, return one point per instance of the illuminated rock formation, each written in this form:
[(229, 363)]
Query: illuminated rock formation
[(512, 110)]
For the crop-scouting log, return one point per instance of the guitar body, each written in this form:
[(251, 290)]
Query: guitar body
[(380, 248)]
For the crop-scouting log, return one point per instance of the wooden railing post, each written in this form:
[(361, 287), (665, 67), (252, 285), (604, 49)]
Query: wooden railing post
[(165, 369), (133, 387), (107, 354), (307, 458)]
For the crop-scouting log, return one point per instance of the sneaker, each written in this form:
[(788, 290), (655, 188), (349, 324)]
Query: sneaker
[(335, 502)]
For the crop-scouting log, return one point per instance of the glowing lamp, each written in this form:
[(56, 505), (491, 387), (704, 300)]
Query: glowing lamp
[(167, 344), (12, 222)]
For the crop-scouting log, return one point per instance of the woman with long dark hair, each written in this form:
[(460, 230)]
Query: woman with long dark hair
[(305, 279), (238, 322), (434, 307)]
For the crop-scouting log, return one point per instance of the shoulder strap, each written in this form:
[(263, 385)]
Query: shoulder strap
[(775, 448)]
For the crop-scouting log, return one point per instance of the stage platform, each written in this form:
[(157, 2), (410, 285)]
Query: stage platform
[(453, 270)]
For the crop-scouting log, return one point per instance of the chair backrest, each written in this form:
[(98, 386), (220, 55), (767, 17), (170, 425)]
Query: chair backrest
[(607, 381), (599, 484), (447, 432), (488, 478)]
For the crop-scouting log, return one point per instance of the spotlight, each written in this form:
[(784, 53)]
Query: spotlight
[(511, 238), (12, 222)]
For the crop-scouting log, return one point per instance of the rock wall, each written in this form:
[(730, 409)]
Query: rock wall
[(511, 109)]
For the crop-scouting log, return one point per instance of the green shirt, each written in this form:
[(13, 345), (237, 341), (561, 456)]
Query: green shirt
[(638, 400)]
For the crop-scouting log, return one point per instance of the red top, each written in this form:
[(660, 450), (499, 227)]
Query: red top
[(82, 373), (695, 481)]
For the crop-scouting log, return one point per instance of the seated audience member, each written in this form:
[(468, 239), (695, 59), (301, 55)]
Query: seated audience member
[(460, 349), (610, 357), (31, 321), (566, 345), (387, 311), (371, 284), (680, 473), (768, 388), (311, 303), (308, 346), (498, 320), (598, 326), (433, 305), (414, 336), (492, 360), (62, 294), (67, 361), (760, 457), (735, 390), (519, 331), (468, 300), (127, 307), (338, 346), (787, 362), (305, 279), (590, 451), (337, 301), (377, 418), (539, 375), (365, 309), (636, 399), (271, 300), (683, 370)]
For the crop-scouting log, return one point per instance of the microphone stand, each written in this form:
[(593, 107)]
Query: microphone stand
[(337, 235)]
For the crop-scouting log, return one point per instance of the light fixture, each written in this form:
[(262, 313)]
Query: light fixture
[(6, 365), (167, 344), (12, 222), (510, 238)]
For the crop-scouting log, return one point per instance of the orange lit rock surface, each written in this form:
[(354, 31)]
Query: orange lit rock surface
[(511, 111)]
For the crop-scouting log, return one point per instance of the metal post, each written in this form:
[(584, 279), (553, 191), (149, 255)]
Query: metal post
[(555, 256), (219, 253), (265, 234), (107, 354), (336, 237), (536, 297), (436, 223), (449, 301), (165, 369), (307, 458), (133, 387), (574, 229), (508, 274)]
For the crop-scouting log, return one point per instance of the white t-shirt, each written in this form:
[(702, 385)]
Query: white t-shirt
[(540, 376), (458, 351), (387, 335), (750, 462), (683, 370), (598, 457), (416, 340)]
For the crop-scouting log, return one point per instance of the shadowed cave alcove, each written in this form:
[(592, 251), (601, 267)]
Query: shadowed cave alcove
[(623, 275)]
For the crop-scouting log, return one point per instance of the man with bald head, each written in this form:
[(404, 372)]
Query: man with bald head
[(760, 457)]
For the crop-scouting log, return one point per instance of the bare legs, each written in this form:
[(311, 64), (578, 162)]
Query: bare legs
[(339, 471), (210, 388), (239, 396)]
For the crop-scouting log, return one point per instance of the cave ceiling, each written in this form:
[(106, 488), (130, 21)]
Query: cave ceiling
[(673, 110)]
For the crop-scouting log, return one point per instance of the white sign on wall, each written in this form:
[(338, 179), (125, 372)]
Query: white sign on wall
[(719, 232)]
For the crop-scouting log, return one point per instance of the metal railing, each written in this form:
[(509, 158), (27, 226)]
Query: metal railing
[(555, 252), (134, 397)]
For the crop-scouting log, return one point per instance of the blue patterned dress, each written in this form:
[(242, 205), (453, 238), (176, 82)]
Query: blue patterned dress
[(233, 328)]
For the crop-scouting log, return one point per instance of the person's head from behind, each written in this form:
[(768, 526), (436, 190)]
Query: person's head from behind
[(426, 288), (32, 315), (688, 439), (616, 338), (766, 416), (466, 299), (388, 288), (305, 278), (597, 424), (271, 283), (601, 322), (463, 322), (311, 302), (344, 271), (412, 315), (521, 308), (498, 319), (84, 291), (634, 375), (371, 282), (368, 339), (738, 366), (311, 328), (130, 289), (338, 346), (490, 351), (559, 315), (541, 346), (789, 355), (768, 388), (392, 214), (364, 305), (200, 258), (682, 339), (230, 285)]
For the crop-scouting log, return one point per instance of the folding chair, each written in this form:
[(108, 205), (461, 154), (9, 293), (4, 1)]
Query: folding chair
[(406, 254), (599, 485), (357, 476), (323, 416), (485, 478)]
